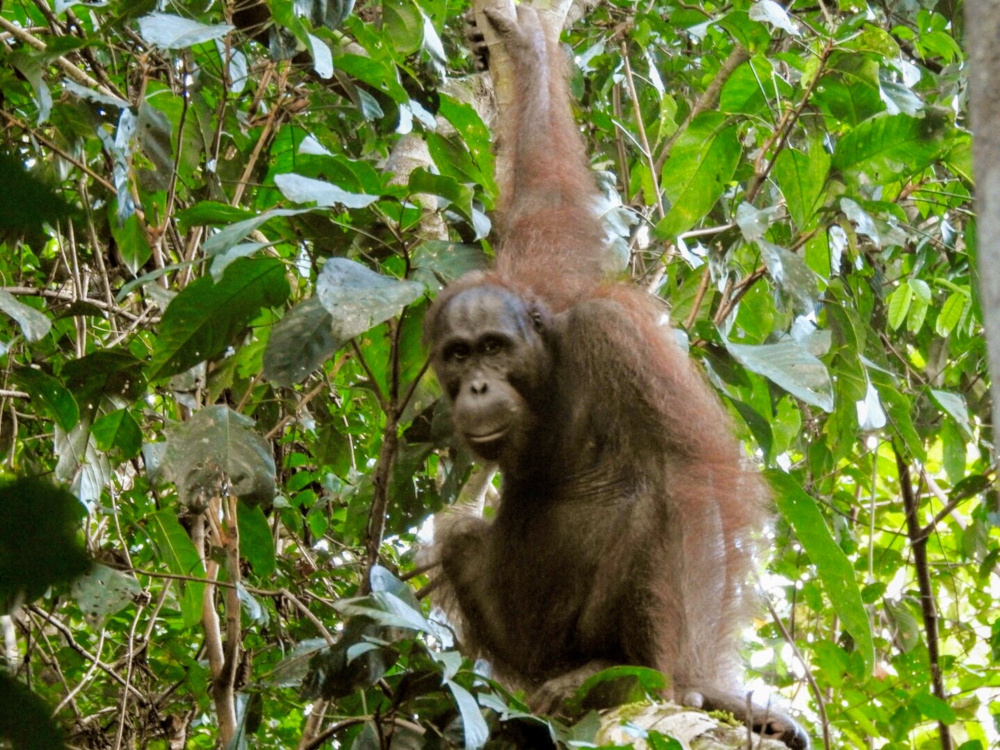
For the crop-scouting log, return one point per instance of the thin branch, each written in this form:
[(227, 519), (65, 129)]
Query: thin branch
[(69, 68), (918, 542), (643, 140), (55, 148), (813, 686)]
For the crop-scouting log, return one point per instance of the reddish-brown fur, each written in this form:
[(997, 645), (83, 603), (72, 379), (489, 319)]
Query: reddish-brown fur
[(629, 520)]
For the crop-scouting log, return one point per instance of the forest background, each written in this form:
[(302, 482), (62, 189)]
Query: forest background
[(221, 226)]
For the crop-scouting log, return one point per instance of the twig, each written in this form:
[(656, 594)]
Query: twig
[(813, 686), (918, 542), (706, 276), (130, 662), (643, 140), (68, 635), (317, 741), (69, 68), (62, 154), (780, 136)]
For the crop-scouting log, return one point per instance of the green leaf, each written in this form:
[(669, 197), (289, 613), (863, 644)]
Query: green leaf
[(933, 707), (403, 25), (39, 541), (34, 323), (791, 366), (300, 343), (700, 166), (256, 542), (203, 320), (953, 404), (833, 566), (28, 203), (474, 726), (176, 32), (217, 447), (132, 241), (181, 558), (118, 430), (890, 148), (228, 237), (802, 179), (301, 189), (358, 298), (49, 396), (212, 212), (899, 305), (742, 93), (476, 135), (453, 159), (918, 312), (921, 289), (25, 719), (458, 195), (791, 273), (104, 591), (951, 314)]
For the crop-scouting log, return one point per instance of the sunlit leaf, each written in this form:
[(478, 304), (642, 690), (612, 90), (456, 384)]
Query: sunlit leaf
[(791, 366), (700, 165), (176, 32)]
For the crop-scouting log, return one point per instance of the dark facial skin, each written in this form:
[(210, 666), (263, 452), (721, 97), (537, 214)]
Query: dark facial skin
[(491, 359)]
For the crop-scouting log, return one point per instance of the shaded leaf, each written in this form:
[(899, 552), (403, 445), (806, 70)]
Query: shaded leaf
[(215, 452), (25, 720), (359, 298), (34, 323), (802, 179), (49, 395), (256, 541), (104, 591), (40, 543), (202, 321), (300, 343), (118, 430), (177, 551)]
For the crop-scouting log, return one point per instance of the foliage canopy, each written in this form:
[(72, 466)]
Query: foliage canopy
[(221, 227)]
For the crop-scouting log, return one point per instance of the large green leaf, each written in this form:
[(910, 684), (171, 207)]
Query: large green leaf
[(890, 148), (790, 365), (833, 566), (700, 166), (217, 451), (300, 342), (801, 178), (181, 558), (203, 320), (358, 298)]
